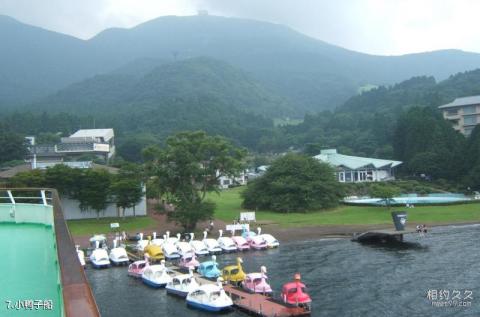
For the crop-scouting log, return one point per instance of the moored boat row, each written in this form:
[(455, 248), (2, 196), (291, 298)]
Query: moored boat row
[(211, 295)]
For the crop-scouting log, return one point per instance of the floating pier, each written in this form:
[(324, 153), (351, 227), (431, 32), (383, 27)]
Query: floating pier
[(387, 235), (382, 235), (261, 305), (253, 304)]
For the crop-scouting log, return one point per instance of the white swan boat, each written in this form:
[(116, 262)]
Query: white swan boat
[(99, 257), (184, 248), (211, 244), (157, 241), (198, 246), (226, 243), (209, 297), (141, 244), (118, 255), (181, 285), (269, 239), (156, 276)]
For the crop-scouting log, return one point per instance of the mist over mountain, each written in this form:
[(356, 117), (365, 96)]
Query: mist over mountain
[(310, 74), (190, 79)]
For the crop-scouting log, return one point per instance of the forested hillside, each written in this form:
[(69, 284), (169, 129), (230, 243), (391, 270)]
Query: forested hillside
[(165, 86), (310, 74)]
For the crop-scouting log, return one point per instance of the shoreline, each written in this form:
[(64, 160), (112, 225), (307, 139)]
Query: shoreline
[(293, 234), (297, 234)]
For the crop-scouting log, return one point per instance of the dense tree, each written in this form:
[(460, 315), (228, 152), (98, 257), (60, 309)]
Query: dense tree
[(64, 179), (126, 193), (294, 183), (12, 145), (428, 144), (94, 190), (472, 160), (34, 178), (130, 148), (188, 167)]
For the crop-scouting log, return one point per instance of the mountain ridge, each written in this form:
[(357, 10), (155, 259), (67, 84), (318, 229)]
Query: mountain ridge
[(307, 72)]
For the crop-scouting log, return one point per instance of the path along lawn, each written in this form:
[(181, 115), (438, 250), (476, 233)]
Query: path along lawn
[(229, 207), (102, 225)]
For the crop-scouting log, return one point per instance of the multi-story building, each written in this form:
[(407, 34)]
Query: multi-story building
[(463, 113), (83, 143)]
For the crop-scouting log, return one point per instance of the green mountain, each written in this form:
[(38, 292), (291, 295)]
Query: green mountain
[(34, 61), (189, 79), (365, 125), (198, 93), (311, 74)]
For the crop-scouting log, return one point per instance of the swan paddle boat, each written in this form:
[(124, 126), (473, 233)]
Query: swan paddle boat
[(209, 297), (81, 255), (189, 261), (136, 268), (269, 239), (99, 257), (209, 269), (295, 294), (154, 252), (157, 241), (118, 255), (198, 246), (255, 242), (240, 242), (234, 273), (156, 276), (101, 239), (226, 243), (183, 247), (169, 247), (183, 284), (257, 282), (141, 243), (211, 244)]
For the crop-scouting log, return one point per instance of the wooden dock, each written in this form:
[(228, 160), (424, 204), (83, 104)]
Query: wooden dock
[(261, 305), (382, 235), (252, 304)]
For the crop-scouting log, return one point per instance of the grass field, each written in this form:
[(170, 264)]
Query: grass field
[(92, 226), (229, 207)]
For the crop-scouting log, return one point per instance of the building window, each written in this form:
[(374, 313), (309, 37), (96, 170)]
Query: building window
[(469, 109), (470, 120), (468, 131), (226, 182), (452, 112), (341, 177), (348, 176)]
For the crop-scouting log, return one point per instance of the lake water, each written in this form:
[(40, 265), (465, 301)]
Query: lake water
[(344, 278)]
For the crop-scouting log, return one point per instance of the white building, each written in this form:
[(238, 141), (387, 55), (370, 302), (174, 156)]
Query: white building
[(463, 113), (90, 142), (95, 141), (355, 169), (225, 182)]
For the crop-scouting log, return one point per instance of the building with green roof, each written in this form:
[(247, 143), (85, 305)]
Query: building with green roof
[(355, 169)]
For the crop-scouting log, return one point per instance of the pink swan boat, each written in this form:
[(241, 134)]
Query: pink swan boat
[(136, 268), (189, 261), (240, 242), (257, 282)]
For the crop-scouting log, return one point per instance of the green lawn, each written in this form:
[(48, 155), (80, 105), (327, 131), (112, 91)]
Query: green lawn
[(92, 226), (229, 207)]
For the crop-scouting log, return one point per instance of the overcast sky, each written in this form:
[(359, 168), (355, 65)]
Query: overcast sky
[(387, 27)]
